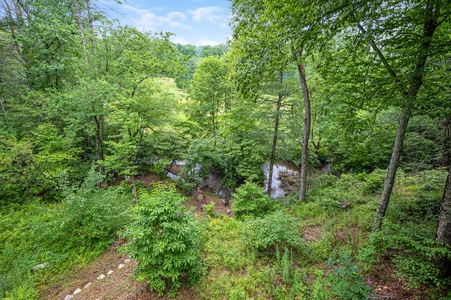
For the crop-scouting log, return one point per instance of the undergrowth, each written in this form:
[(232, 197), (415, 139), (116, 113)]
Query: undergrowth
[(322, 248), (61, 236)]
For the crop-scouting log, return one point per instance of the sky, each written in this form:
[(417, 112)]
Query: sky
[(196, 22)]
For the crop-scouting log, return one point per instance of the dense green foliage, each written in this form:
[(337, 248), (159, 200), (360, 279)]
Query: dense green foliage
[(88, 105), (250, 200), (275, 231), (165, 240), (58, 235)]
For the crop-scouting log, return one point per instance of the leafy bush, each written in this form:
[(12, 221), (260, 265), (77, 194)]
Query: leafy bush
[(410, 251), (374, 181), (345, 280), (249, 200), (209, 209), (329, 199), (277, 229), (89, 217), (61, 235), (165, 240), (425, 195), (324, 181)]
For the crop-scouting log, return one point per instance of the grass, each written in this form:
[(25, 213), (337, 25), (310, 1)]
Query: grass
[(337, 247)]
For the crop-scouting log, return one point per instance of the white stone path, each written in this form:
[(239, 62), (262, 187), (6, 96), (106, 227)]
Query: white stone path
[(101, 276)]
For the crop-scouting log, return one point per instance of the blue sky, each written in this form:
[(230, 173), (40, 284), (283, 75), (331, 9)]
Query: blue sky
[(197, 22)]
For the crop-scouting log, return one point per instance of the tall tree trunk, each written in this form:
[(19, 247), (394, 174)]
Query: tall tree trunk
[(276, 134), (403, 121), (443, 233), (446, 142), (307, 125), (432, 12)]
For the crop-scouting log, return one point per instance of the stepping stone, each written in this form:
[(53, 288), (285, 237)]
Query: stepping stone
[(88, 284), (101, 276), (77, 291), (110, 272), (68, 297), (127, 261), (40, 266), (121, 266)]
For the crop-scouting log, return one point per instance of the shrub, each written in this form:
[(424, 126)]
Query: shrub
[(374, 181), (277, 229), (61, 235), (209, 209), (249, 200), (89, 216), (165, 240), (324, 181), (345, 280), (411, 252)]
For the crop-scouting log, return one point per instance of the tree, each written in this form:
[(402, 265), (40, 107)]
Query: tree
[(165, 240), (401, 35), (264, 35), (209, 90), (423, 21), (272, 158)]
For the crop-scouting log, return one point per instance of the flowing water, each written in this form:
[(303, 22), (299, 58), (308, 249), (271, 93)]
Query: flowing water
[(278, 190)]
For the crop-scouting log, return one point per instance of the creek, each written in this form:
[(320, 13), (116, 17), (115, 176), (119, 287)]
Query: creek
[(284, 177)]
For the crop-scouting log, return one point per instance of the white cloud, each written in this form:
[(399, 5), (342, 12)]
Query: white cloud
[(176, 14), (134, 9), (196, 24), (206, 13), (145, 19)]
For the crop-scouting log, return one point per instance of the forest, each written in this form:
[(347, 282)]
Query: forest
[(307, 158)]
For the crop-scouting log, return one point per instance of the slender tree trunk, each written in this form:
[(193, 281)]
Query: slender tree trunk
[(15, 25), (403, 121), (276, 133), (135, 194), (307, 125), (430, 25), (4, 110), (99, 139), (446, 141), (443, 232), (90, 21)]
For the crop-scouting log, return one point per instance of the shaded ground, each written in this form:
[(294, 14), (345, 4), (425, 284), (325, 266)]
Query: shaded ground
[(120, 285), (110, 260), (220, 208)]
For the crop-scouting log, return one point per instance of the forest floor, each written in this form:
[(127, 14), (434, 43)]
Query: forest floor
[(119, 284)]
